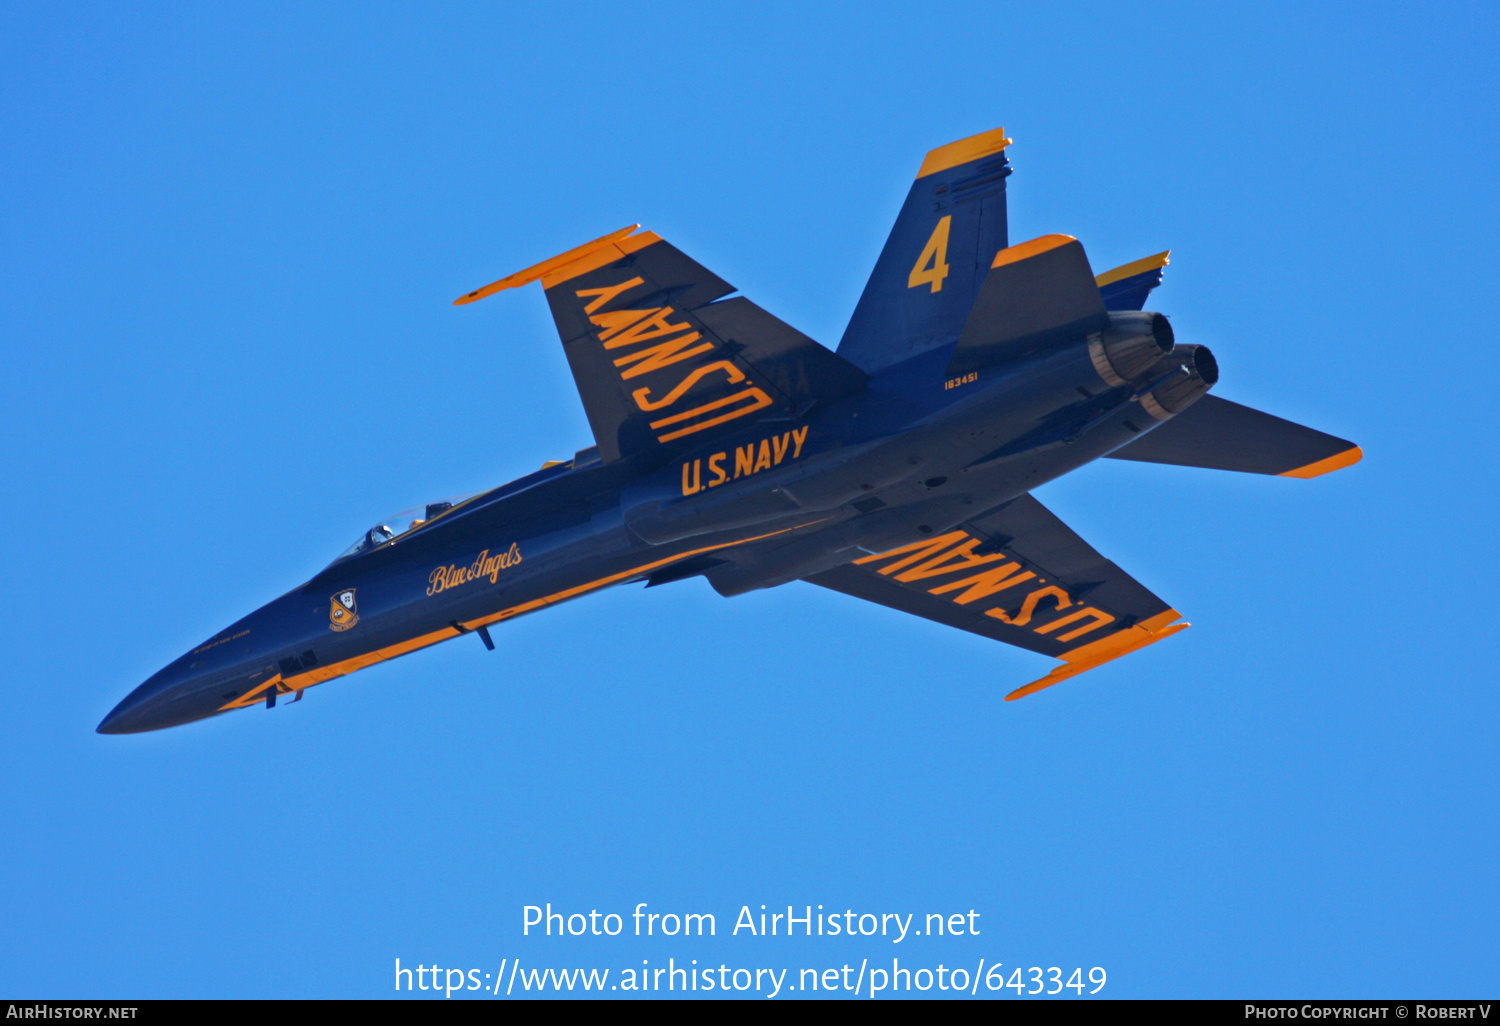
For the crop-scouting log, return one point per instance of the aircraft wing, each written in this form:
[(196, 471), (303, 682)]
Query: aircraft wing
[(1019, 575), (659, 355), (1221, 435)]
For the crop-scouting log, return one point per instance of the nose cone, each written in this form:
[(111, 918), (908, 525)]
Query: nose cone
[(201, 683), (146, 708), (120, 719), (240, 660), (182, 692)]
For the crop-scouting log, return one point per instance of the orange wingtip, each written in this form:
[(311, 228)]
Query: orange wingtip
[(536, 271), (1347, 458), (1086, 657), (963, 151), (1135, 267), (1027, 250), (596, 258)]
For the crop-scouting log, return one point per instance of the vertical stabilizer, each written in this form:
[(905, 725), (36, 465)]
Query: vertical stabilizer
[(1128, 287), (950, 228)]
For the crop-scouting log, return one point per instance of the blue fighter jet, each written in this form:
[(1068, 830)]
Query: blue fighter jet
[(729, 445)]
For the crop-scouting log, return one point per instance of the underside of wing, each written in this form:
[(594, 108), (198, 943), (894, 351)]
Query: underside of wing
[(1018, 575), (1217, 434), (660, 355)]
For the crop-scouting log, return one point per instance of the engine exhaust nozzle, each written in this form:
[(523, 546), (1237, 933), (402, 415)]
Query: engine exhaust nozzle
[(1193, 371), (1134, 342)]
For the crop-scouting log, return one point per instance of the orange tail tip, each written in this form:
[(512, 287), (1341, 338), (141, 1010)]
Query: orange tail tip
[(1086, 657), (536, 271), (1347, 458), (963, 151), (1135, 267), (1026, 250)]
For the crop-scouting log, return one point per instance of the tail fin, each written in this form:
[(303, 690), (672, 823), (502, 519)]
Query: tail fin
[(1035, 294), (1220, 435), (1128, 286), (952, 224)]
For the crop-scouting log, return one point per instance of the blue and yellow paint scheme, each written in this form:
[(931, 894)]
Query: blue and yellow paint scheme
[(729, 445)]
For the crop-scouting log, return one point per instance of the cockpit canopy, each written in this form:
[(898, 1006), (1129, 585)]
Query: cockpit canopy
[(405, 522)]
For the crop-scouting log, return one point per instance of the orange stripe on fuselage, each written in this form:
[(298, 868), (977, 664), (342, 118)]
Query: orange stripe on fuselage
[(380, 655), (253, 696)]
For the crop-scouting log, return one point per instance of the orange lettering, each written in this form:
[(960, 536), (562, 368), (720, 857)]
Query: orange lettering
[(734, 374), (654, 325), (758, 401), (617, 321), (781, 445), (605, 294), (662, 355), (763, 460), (944, 564), (1100, 619), (920, 550), (985, 584), (1029, 606)]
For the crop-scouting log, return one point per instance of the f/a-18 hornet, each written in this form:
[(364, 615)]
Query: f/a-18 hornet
[(731, 446)]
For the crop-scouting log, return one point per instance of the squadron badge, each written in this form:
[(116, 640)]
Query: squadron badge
[(343, 612)]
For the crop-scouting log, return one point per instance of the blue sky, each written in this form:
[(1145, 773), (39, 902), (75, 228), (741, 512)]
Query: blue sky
[(229, 241)]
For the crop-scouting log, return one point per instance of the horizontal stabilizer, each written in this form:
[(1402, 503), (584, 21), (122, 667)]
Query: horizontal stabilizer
[(1217, 434), (1127, 287), (1036, 294)]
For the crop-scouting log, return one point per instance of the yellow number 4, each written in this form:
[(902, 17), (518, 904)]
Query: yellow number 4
[(934, 253)]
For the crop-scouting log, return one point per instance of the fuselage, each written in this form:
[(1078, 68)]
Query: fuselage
[(916, 452)]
